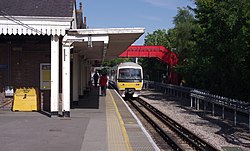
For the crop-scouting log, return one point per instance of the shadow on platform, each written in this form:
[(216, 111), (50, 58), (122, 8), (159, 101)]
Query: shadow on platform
[(90, 100)]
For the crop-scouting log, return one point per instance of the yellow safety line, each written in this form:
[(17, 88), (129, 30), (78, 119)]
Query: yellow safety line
[(124, 132)]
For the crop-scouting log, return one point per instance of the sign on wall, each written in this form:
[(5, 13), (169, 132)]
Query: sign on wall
[(45, 76), (3, 66)]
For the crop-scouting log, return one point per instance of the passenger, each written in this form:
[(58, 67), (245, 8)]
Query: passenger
[(164, 78), (103, 83), (96, 77), (183, 82)]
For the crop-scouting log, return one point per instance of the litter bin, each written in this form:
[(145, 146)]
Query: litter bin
[(26, 99)]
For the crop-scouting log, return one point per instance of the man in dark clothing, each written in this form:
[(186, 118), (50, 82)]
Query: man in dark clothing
[(96, 77)]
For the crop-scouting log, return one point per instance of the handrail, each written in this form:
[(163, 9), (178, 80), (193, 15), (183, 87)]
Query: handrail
[(198, 96)]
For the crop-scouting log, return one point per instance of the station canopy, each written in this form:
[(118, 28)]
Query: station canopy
[(102, 44)]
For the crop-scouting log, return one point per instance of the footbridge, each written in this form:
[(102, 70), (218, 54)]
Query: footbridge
[(159, 52)]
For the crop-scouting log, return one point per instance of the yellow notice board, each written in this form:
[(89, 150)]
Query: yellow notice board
[(45, 76)]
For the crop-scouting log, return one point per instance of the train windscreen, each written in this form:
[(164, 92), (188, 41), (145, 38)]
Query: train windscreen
[(129, 75)]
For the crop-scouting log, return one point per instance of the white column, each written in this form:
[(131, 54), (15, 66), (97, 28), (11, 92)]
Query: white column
[(79, 76), (82, 76), (88, 74), (54, 96), (136, 60), (75, 78), (66, 81)]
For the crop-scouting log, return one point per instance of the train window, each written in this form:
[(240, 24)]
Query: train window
[(128, 73)]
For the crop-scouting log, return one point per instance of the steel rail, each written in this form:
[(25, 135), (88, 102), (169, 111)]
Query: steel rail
[(158, 129), (188, 136)]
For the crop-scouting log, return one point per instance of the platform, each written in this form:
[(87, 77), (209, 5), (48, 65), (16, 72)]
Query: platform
[(97, 123)]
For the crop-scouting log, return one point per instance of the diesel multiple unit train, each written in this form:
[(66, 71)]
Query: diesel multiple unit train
[(127, 78)]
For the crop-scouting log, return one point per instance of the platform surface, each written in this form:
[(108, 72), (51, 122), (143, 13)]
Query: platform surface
[(97, 123)]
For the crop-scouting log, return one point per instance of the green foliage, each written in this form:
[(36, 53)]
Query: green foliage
[(152, 67), (185, 29), (160, 37), (213, 46), (222, 39), (115, 62)]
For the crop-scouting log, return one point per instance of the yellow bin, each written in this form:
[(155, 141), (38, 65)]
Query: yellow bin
[(26, 99)]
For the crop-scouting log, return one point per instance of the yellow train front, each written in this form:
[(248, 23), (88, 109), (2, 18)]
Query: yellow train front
[(128, 79)]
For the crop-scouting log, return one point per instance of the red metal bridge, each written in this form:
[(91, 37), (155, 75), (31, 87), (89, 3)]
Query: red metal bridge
[(159, 52)]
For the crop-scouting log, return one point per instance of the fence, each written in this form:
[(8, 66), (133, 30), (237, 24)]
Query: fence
[(198, 98)]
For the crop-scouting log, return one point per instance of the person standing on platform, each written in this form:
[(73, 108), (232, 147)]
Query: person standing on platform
[(103, 83), (96, 77)]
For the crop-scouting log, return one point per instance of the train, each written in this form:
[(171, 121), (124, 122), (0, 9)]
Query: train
[(127, 79)]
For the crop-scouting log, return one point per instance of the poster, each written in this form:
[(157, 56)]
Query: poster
[(45, 76)]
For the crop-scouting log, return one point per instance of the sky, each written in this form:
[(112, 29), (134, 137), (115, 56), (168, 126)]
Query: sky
[(149, 14)]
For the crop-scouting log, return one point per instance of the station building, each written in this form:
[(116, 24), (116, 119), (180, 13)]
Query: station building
[(45, 45)]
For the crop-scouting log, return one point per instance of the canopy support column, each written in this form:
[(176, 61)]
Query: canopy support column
[(75, 78), (54, 97), (66, 80)]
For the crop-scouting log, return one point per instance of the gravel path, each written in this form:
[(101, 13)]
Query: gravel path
[(217, 132)]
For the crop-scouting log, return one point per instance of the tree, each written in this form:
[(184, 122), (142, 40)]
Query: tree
[(178, 39), (223, 45), (184, 33), (115, 62), (160, 37), (213, 46), (152, 67)]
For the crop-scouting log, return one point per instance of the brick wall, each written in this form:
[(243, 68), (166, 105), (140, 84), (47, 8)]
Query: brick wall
[(23, 54), (3, 61)]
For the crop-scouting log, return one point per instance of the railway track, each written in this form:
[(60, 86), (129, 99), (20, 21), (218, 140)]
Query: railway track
[(176, 136)]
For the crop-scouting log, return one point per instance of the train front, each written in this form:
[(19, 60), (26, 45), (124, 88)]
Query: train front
[(130, 81)]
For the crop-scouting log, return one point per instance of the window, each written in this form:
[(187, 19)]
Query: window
[(128, 73)]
